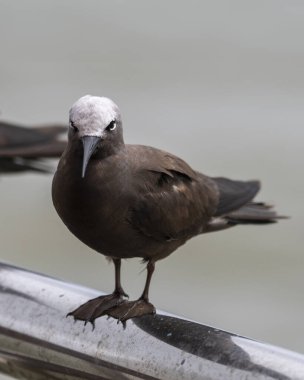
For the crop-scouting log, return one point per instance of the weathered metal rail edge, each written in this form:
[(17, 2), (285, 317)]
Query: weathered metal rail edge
[(37, 341)]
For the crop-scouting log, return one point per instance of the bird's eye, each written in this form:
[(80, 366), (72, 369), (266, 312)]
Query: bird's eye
[(73, 126), (111, 126)]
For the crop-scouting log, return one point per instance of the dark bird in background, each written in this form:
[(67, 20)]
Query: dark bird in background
[(129, 201), (23, 149)]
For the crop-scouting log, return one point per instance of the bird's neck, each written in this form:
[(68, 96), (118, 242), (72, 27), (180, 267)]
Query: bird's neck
[(107, 149)]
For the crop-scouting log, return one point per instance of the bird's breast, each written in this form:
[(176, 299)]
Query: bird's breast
[(94, 208)]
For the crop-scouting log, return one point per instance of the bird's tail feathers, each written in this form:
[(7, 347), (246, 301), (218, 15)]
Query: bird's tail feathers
[(254, 213)]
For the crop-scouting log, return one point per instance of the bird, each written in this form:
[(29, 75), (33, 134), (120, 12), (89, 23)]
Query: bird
[(23, 148), (135, 201)]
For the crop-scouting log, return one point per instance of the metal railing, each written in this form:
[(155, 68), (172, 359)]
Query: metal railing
[(37, 341)]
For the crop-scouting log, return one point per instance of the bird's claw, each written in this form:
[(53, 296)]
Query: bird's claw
[(95, 308), (130, 309)]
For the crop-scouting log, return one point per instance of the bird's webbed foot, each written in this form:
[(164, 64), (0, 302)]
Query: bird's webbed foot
[(131, 309), (96, 307)]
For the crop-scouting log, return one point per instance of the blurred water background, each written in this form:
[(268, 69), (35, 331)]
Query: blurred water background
[(217, 83)]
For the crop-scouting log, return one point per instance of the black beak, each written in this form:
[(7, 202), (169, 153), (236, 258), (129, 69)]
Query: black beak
[(89, 145)]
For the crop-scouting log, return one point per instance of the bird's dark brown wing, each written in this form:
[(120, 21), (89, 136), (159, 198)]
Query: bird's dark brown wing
[(13, 136), (39, 142), (174, 202), (17, 165), (48, 150)]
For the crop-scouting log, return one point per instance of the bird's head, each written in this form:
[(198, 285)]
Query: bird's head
[(96, 123)]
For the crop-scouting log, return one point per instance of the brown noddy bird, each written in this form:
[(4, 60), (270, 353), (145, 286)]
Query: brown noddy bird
[(23, 148), (128, 201)]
